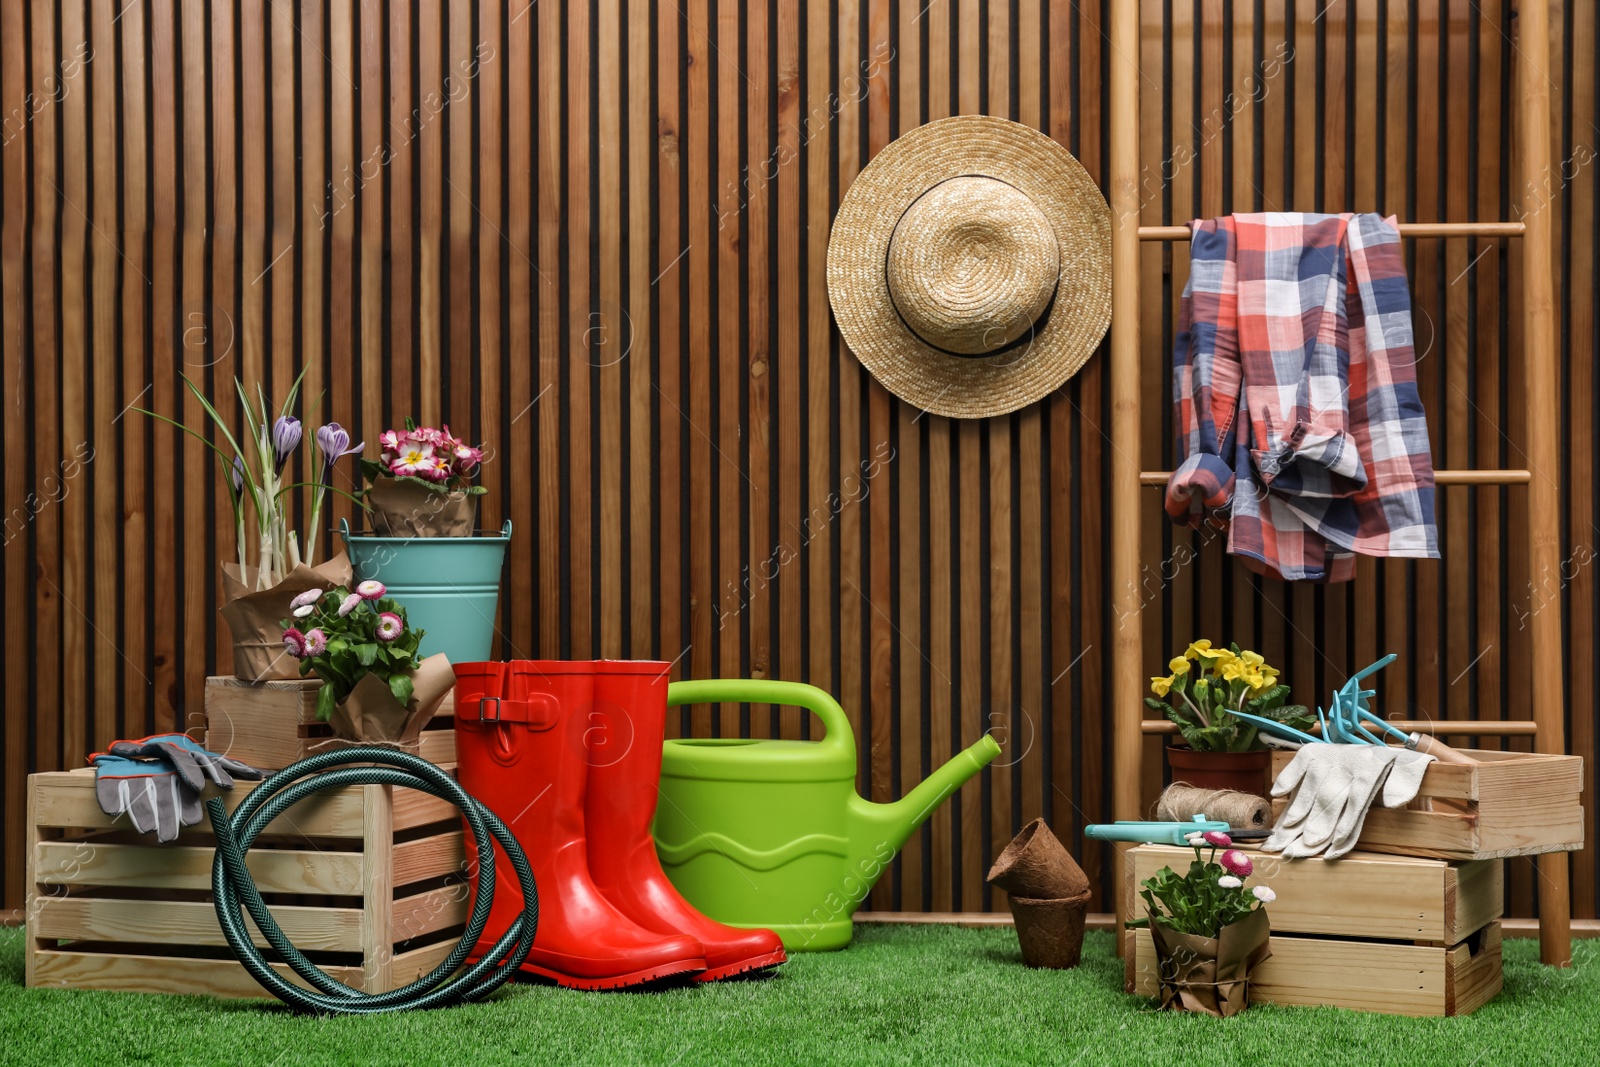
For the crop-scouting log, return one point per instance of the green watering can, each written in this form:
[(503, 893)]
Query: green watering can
[(772, 834)]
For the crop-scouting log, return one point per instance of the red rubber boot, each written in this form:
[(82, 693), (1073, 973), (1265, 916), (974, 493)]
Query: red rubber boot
[(627, 728), (521, 753)]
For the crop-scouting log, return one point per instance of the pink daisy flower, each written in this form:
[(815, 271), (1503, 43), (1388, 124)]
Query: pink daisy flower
[(295, 642), (371, 589), (390, 626), (310, 596), (349, 604), (316, 642), (1236, 862), (1264, 894), (1217, 838)]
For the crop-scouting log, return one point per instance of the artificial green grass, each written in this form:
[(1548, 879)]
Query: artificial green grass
[(900, 994)]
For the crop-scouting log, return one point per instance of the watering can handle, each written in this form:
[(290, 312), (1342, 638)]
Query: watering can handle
[(344, 533), (769, 691)]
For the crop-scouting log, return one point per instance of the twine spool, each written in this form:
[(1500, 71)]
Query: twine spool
[(1181, 802)]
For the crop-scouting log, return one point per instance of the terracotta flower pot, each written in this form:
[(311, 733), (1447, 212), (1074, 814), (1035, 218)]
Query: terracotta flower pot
[(1244, 771), (1051, 931), (1211, 974)]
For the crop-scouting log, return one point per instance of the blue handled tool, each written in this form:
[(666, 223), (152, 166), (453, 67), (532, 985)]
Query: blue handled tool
[(1153, 833)]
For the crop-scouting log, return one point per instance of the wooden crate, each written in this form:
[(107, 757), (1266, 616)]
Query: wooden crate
[(366, 880), (1380, 976), (1396, 934), (272, 724), (1508, 804)]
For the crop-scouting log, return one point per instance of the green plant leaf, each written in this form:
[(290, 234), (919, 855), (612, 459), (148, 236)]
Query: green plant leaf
[(366, 653), (325, 702), (400, 686)]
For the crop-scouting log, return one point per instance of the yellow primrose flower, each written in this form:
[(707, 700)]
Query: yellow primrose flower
[(1252, 659), (1197, 649), (1179, 665), (1161, 686), (1256, 681), (1234, 669)]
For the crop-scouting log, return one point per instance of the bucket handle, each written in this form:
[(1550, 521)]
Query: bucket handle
[(344, 532), (769, 691)]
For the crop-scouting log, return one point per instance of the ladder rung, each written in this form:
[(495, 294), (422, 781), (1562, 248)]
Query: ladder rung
[(1407, 229), (1466, 477), (1437, 727)]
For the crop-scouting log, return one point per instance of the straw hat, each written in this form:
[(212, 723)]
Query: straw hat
[(969, 266)]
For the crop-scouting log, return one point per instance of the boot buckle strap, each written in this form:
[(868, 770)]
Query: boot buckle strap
[(541, 711)]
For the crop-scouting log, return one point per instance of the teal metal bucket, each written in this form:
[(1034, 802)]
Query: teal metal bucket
[(449, 586)]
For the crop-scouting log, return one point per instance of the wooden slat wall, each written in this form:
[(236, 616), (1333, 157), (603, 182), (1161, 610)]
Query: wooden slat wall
[(594, 237)]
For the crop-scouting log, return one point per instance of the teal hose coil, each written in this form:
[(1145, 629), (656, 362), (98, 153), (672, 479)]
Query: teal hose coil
[(235, 891)]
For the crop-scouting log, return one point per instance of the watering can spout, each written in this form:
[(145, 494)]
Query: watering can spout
[(878, 830)]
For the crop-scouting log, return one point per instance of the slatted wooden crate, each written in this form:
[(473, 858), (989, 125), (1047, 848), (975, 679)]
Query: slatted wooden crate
[(273, 723), (1395, 934), (366, 880), (1508, 804)]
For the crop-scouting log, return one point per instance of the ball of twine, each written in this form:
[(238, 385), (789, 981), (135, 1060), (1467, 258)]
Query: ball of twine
[(1181, 802)]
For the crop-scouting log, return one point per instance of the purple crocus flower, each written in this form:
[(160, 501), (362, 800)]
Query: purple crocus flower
[(334, 442), (285, 438), (236, 476)]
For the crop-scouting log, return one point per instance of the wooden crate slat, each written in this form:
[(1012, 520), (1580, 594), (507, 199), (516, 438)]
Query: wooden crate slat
[(423, 913), (1373, 976), (409, 966), (1362, 895), (90, 863), (428, 857), (185, 922), (67, 799), (413, 808), (126, 973)]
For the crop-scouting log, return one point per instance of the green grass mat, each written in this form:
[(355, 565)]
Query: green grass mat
[(900, 994)]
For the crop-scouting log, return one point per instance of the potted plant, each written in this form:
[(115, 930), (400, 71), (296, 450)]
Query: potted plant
[(376, 689), (273, 564), (1222, 751), (1210, 931), (423, 547)]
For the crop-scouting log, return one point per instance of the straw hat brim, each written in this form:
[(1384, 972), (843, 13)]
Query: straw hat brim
[(971, 387)]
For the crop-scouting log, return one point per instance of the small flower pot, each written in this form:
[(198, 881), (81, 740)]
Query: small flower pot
[(1051, 931), (371, 715), (1035, 865), (449, 586), (1211, 974), (1243, 771), (406, 509), (255, 616)]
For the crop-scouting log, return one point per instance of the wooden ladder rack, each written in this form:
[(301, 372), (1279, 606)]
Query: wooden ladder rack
[(1542, 448)]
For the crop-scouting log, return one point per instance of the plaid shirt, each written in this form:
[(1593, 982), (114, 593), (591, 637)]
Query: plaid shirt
[(1296, 396)]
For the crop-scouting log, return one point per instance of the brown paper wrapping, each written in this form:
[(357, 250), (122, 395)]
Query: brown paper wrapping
[(255, 617), (406, 509), (1036, 865), (1211, 974), (371, 715)]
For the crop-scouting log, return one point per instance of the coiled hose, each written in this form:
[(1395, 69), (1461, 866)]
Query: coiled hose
[(232, 886)]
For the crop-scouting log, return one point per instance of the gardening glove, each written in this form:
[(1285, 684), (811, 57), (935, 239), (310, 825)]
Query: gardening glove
[(1333, 787), (148, 791), (193, 763)]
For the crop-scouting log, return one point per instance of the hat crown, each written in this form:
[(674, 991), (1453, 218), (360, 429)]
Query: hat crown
[(972, 265)]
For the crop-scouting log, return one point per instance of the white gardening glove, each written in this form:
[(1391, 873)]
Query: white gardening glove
[(1406, 778), (1332, 786)]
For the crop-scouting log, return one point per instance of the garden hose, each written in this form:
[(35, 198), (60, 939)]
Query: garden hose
[(232, 887)]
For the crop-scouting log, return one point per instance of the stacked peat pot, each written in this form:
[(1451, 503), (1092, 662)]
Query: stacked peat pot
[(1049, 896)]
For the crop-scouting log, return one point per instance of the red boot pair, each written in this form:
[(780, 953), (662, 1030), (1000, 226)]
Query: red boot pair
[(568, 754)]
